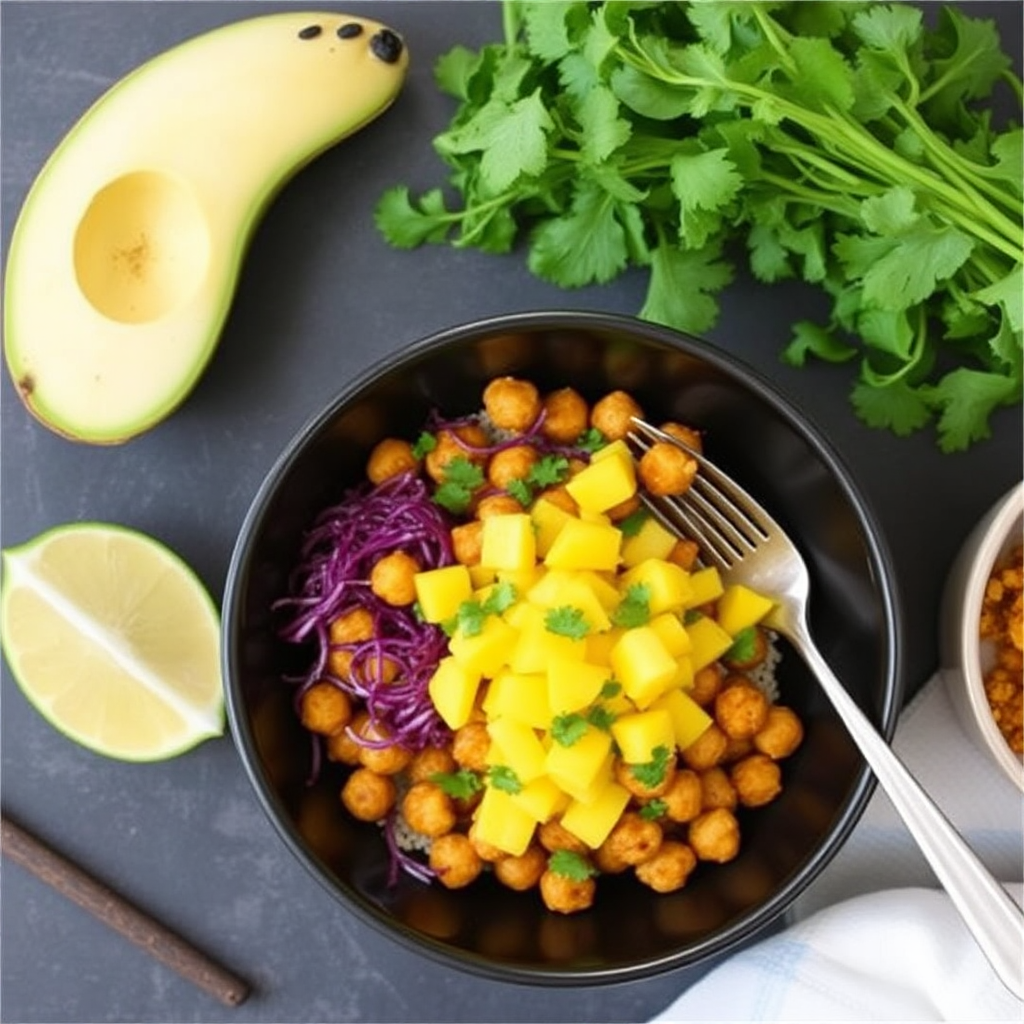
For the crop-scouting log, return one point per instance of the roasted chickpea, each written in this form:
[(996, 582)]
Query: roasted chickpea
[(512, 404), (612, 414), (684, 797), (609, 861), (325, 708), (470, 746), (391, 457), (447, 448), (467, 542), (485, 851), (385, 760), (688, 435), (430, 761), (752, 657), (553, 835), (343, 746), (717, 789), (707, 681), (565, 895), (454, 860), (428, 809), (666, 470), (367, 795), (633, 839), (669, 868), (715, 835), (684, 553), (497, 505), (707, 750), (781, 733), (369, 666), (392, 578), (566, 416), (561, 498), (623, 509), (740, 708), (758, 780), (511, 464), (736, 749), (522, 872), (351, 627)]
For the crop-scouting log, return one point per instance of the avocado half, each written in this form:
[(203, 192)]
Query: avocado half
[(125, 256)]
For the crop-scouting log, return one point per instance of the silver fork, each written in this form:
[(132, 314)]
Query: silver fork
[(745, 544)]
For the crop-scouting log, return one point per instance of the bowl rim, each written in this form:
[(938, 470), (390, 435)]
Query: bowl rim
[(995, 533), (876, 550)]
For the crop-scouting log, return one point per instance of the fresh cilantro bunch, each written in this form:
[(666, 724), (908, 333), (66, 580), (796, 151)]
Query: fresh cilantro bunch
[(846, 144)]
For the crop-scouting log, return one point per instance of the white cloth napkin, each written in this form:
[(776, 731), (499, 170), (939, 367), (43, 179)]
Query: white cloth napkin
[(873, 938)]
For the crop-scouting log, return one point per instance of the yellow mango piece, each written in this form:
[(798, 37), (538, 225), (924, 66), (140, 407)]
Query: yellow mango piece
[(652, 540), (599, 646), (489, 650), (605, 482), (668, 584), (739, 608), (508, 542), (689, 719), (573, 684), (500, 821), (523, 697), (453, 688), (519, 747), (584, 545), (548, 520), (708, 642), (592, 822), (575, 769), (614, 449), (706, 586), (684, 673), (521, 579), (642, 665), (537, 645), (672, 633), (481, 576), (439, 592), (604, 588), (541, 798), (639, 734)]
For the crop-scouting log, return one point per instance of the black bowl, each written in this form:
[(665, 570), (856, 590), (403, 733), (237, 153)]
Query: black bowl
[(753, 433)]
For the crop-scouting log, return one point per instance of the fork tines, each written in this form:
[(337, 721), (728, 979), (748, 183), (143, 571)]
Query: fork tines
[(711, 511)]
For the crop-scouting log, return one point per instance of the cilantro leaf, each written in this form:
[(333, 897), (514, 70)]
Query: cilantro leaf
[(500, 598), (634, 609), (652, 773), (572, 865), (461, 478), (502, 777), (631, 525), (424, 445), (591, 440), (460, 785), (567, 729), (654, 809), (601, 717), (567, 621), (521, 491), (744, 646)]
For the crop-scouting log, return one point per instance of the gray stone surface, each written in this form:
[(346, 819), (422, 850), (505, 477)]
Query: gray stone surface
[(321, 297)]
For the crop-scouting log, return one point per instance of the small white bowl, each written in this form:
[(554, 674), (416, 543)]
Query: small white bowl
[(964, 658)]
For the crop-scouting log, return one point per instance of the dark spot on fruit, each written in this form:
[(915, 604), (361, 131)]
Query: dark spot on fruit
[(387, 46), (350, 30), (26, 385), (310, 32)]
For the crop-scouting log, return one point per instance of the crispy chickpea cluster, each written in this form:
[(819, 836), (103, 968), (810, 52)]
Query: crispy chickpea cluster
[(1002, 623), (686, 813)]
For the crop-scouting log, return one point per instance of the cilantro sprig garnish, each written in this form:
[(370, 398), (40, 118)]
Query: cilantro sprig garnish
[(571, 865), (502, 777), (652, 773), (461, 478), (459, 785), (634, 609), (471, 615), (654, 809), (850, 146), (424, 445), (547, 471), (567, 620)]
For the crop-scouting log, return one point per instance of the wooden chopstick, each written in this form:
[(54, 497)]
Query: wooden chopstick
[(116, 912)]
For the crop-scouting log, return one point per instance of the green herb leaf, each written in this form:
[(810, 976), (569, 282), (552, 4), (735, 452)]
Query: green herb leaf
[(652, 773), (502, 777), (567, 621), (460, 785), (601, 717), (654, 809), (521, 491), (571, 865), (424, 445), (569, 728), (500, 598), (634, 609), (632, 524), (591, 440), (744, 645), (461, 478)]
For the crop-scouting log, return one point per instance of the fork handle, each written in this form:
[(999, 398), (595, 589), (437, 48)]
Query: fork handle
[(988, 910)]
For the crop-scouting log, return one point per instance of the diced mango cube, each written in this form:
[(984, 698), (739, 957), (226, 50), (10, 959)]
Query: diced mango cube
[(599, 646), (520, 747), (508, 542), (523, 697), (605, 482), (640, 734), (739, 608), (439, 592), (652, 540), (614, 449), (584, 545), (575, 769), (605, 590), (642, 665), (500, 821), (548, 520), (668, 584), (706, 586), (672, 633), (541, 798), (452, 690), (573, 684), (689, 719), (537, 645), (481, 576), (592, 822), (708, 642), (684, 673), (488, 650)]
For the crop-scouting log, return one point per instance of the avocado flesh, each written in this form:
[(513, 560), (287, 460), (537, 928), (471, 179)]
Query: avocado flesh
[(125, 257)]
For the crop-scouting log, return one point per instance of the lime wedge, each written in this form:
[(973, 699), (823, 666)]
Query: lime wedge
[(114, 640)]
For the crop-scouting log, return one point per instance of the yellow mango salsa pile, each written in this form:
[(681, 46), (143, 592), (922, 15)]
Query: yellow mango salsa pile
[(584, 643)]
